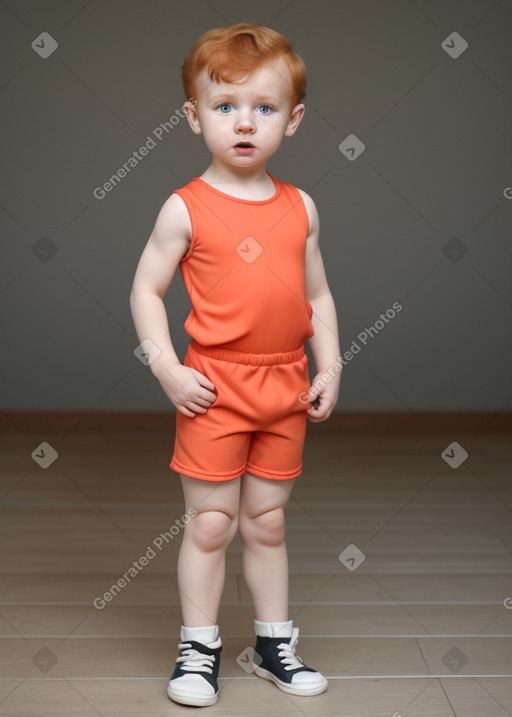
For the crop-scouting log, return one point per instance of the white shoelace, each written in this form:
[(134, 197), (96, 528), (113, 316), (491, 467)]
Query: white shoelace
[(195, 661), (287, 652)]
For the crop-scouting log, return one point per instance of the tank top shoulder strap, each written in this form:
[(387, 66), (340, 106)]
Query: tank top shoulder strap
[(190, 191), (290, 195)]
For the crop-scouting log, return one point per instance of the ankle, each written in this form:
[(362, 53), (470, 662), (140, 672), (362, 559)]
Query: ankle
[(273, 629), (205, 635)]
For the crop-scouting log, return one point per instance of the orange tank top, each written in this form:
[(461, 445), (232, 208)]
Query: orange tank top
[(245, 269)]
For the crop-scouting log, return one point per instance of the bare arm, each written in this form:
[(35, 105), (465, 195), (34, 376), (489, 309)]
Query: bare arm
[(188, 389), (324, 344)]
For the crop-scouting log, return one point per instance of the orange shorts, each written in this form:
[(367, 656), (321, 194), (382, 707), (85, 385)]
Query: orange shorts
[(257, 423)]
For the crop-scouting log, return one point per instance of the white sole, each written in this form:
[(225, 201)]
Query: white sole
[(291, 689), (184, 698)]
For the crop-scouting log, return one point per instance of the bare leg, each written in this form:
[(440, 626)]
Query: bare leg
[(265, 560), (201, 562)]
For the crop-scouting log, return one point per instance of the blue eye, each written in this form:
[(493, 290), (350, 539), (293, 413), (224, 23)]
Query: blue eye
[(265, 109), (225, 107)]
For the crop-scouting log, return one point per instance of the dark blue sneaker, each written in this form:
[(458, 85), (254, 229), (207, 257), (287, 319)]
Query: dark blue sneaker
[(275, 659)]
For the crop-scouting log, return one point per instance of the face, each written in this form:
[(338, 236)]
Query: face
[(244, 122)]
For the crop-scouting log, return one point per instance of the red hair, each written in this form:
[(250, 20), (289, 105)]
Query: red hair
[(230, 53)]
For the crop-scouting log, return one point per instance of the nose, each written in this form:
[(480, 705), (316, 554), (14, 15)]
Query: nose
[(244, 122)]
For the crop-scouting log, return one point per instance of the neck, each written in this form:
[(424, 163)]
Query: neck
[(219, 172)]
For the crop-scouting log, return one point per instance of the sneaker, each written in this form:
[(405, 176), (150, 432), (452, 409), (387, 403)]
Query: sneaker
[(194, 680), (275, 659)]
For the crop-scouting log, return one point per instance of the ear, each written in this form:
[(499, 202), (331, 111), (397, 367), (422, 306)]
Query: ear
[(190, 109), (296, 116)]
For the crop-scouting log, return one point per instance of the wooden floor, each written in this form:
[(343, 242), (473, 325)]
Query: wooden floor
[(422, 627)]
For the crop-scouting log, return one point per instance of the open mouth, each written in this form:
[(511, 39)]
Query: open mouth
[(247, 145)]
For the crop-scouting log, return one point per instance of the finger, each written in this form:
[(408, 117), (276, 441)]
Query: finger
[(199, 409), (201, 403), (316, 403), (203, 381), (206, 395), (191, 409), (317, 411), (202, 396), (195, 404)]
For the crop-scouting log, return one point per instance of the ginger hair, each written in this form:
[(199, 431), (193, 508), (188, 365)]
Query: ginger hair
[(230, 53)]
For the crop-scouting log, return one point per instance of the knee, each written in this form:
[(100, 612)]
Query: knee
[(212, 530), (266, 528)]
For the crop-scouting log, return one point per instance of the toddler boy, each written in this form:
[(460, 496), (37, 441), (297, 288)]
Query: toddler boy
[(247, 246)]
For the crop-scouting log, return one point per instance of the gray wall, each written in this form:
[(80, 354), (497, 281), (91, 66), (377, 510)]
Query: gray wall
[(430, 185)]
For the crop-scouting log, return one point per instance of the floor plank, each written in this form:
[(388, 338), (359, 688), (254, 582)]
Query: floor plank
[(421, 627)]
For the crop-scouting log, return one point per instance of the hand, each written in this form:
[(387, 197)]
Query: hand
[(189, 390), (323, 399)]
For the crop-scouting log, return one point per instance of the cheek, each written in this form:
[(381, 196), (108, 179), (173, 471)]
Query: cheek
[(216, 129), (276, 126), (273, 132), (211, 134)]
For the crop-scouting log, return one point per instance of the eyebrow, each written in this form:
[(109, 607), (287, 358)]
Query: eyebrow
[(263, 99)]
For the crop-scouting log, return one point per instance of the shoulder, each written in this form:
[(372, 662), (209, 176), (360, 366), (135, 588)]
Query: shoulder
[(174, 208), (310, 209), (173, 221)]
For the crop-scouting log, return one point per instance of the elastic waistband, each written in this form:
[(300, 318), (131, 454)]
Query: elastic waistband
[(245, 357)]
